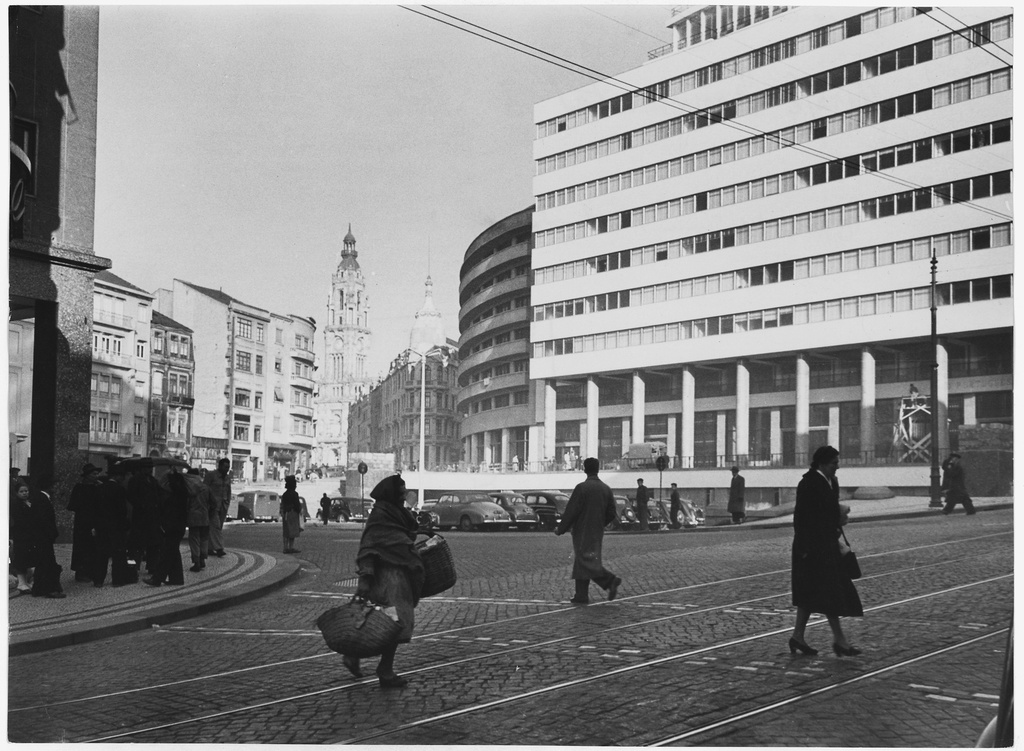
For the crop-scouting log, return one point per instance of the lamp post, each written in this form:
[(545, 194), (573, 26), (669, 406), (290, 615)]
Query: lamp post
[(935, 494), (443, 353)]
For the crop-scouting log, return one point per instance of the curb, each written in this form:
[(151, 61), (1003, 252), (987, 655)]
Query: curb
[(70, 635)]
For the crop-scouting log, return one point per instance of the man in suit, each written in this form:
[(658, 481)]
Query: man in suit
[(642, 497)]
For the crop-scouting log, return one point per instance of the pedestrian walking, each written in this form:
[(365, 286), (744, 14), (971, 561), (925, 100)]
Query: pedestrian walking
[(219, 483), (325, 508), (200, 505), (737, 488), (591, 507), (390, 570), (675, 506), (173, 519), (642, 510), (84, 504), (33, 529), (111, 533), (820, 585), (954, 483), (291, 512)]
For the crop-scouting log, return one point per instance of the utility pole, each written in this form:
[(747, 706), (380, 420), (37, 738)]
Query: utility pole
[(936, 497)]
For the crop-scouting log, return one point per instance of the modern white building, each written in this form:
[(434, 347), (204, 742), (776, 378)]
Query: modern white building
[(733, 241)]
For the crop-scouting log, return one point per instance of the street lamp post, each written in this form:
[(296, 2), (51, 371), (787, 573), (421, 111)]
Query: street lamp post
[(935, 494), (442, 352)]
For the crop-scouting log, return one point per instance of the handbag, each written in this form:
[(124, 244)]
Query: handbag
[(438, 564), (359, 628), (848, 561)]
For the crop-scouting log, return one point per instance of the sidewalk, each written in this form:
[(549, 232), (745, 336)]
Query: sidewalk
[(87, 613)]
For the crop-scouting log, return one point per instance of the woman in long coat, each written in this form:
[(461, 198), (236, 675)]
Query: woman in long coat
[(291, 511), (819, 582), (33, 530), (390, 569)]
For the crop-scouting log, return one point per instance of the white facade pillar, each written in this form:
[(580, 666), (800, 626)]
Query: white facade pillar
[(506, 457), (593, 417), (534, 448), (626, 435), (833, 425), (474, 449), (803, 408), (742, 447), (775, 439), (721, 439), (639, 397), (670, 441), (942, 360), (550, 415), (686, 437), (867, 405), (970, 409)]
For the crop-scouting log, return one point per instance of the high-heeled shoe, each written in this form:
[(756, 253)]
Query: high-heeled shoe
[(845, 651), (794, 645)]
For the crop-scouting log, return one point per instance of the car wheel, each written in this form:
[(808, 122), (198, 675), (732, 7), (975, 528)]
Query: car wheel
[(466, 524)]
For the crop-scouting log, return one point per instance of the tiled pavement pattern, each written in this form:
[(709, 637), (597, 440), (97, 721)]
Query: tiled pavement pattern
[(506, 630)]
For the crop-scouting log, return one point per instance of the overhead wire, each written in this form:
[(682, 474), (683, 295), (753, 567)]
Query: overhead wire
[(597, 75), (960, 32)]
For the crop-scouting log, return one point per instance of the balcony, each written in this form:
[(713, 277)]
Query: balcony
[(113, 319), (302, 353), (106, 438), (111, 358), (300, 410), (181, 399)]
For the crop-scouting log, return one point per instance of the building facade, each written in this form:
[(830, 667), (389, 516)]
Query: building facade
[(495, 394), (248, 361), (420, 388), (53, 53), (172, 379), (120, 381), (733, 242), (344, 376)]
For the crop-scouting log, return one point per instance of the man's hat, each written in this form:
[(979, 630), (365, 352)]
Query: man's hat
[(90, 468)]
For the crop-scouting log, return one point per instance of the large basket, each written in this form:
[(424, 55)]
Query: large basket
[(439, 564), (359, 628)]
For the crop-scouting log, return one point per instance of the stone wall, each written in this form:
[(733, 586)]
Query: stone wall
[(987, 452)]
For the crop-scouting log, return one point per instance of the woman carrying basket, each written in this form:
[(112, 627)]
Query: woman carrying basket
[(390, 570)]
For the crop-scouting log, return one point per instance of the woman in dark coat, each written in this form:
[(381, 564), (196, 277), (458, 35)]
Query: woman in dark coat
[(819, 583), (84, 504), (173, 518), (390, 569), (291, 512), (33, 530)]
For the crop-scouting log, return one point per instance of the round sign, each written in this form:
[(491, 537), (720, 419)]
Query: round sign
[(661, 463), (362, 468)]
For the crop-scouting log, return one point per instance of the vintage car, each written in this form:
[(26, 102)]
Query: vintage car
[(549, 505), (522, 515), (657, 512), (468, 510), (255, 505), (625, 516)]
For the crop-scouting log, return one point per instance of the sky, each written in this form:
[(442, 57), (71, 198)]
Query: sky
[(236, 144)]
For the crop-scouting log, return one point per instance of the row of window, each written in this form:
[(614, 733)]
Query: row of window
[(106, 386), (176, 345), (502, 338), (503, 276), (706, 23), (500, 401), (948, 44), (700, 77), (919, 199), (240, 429), (838, 169), (519, 302), (832, 263), (862, 117), (954, 293), (244, 362), (171, 384)]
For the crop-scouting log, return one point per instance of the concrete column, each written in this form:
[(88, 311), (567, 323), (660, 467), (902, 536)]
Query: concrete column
[(803, 409), (583, 442), (506, 457), (474, 448), (742, 447), (775, 439), (970, 409), (867, 404), (639, 396), (833, 425), (722, 439), (942, 359), (593, 417), (550, 419), (535, 447), (686, 438), (626, 435), (488, 448), (670, 441)]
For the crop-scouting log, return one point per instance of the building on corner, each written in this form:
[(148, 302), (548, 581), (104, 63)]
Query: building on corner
[(172, 379)]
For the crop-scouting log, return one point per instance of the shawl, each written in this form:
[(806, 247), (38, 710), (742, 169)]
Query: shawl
[(388, 539)]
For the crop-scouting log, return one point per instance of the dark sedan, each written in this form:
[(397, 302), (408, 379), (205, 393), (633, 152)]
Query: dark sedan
[(523, 517)]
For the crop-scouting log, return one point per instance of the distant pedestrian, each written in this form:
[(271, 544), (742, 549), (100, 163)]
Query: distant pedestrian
[(325, 508), (675, 507), (390, 570), (84, 504), (954, 482), (291, 511), (515, 463), (173, 519), (820, 585), (33, 529), (737, 488), (642, 510), (591, 507), (200, 503), (219, 483)]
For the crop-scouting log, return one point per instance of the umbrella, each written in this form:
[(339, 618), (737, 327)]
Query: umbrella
[(146, 462)]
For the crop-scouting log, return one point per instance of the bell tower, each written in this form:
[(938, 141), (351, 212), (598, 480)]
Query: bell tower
[(343, 375)]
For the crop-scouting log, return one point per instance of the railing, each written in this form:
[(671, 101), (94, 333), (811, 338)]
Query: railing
[(114, 319), (110, 439), (185, 401), (112, 358)]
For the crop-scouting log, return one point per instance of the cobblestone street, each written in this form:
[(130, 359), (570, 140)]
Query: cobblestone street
[(693, 652)]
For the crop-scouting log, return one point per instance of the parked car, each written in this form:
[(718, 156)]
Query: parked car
[(358, 508), (625, 516), (657, 513), (549, 505), (522, 515), (468, 511), (339, 512), (257, 505)]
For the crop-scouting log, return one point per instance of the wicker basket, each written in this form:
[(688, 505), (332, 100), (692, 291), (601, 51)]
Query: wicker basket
[(359, 628), (439, 564)]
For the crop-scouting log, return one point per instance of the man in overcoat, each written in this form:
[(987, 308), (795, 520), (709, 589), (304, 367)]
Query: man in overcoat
[(219, 483), (737, 487), (954, 482), (591, 506), (642, 510)]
